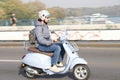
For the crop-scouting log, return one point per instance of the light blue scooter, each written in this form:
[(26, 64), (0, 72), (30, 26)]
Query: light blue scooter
[(39, 64)]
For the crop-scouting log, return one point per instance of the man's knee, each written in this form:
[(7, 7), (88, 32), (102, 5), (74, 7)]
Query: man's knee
[(58, 48)]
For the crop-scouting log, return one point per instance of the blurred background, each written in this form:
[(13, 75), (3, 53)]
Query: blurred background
[(62, 12), (93, 20)]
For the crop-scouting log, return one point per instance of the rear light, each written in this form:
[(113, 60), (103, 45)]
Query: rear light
[(23, 65)]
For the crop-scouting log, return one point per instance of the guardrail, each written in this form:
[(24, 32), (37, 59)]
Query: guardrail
[(75, 32), (63, 27)]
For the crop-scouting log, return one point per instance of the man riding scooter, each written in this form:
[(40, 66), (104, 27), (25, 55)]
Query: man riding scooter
[(37, 63), (45, 42)]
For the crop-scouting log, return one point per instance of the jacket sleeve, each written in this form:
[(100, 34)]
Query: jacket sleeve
[(40, 37)]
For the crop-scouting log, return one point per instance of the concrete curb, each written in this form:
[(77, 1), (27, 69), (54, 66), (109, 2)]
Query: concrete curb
[(11, 44), (79, 43), (99, 44)]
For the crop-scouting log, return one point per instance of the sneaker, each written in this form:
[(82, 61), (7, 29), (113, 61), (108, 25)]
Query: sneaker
[(54, 68), (60, 64)]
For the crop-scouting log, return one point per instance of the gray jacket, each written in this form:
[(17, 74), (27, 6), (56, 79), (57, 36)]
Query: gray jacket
[(42, 34)]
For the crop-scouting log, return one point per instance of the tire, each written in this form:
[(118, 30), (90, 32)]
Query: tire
[(81, 72), (29, 75)]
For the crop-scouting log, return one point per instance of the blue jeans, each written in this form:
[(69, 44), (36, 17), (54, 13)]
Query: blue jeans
[(57, 49)]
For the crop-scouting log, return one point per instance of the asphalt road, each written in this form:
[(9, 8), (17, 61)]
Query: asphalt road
[(103, 62)]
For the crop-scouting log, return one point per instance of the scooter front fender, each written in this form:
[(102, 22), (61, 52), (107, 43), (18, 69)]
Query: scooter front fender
[(77, 61)]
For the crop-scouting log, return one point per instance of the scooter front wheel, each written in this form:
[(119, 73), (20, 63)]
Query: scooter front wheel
[(81, 72)]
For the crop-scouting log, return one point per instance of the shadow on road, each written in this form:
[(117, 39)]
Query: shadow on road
[(51, 77)]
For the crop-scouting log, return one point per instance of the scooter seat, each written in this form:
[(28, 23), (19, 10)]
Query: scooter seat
[(36, 50)]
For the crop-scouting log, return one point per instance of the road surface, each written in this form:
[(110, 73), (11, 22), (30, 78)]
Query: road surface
[(103, 62)]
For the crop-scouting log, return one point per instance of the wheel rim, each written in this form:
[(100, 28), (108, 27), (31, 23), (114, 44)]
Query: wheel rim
[(81, 72)]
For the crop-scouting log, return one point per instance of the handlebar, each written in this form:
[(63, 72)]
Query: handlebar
[(63, 35)]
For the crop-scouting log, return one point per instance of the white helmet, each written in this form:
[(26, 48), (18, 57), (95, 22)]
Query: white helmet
[(43, 14)]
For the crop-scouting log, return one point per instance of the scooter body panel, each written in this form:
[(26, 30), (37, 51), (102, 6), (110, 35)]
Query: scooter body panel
[(37, 60), (77, 61)]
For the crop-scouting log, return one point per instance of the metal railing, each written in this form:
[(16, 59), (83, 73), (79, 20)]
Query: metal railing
[(27, 22), (65, 21)]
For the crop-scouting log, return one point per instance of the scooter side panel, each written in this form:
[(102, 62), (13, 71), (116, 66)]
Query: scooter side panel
[(77, 61), (37, 60)]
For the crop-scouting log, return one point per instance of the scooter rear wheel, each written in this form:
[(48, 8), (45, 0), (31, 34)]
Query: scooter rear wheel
[(81, 72), (29, 75)]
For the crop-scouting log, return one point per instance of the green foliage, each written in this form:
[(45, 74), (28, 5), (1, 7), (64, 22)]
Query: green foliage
[(22, 10), (13, 6), (57, 12), (34, 8), (30, 10), (26, 10)]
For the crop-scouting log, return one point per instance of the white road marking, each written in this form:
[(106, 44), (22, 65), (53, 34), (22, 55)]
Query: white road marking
[(5, 60)]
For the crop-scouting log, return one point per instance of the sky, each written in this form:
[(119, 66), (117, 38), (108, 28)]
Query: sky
[(78, 3)]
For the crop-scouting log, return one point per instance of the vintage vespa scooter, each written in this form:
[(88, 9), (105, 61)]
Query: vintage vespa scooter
[(35, 63)]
